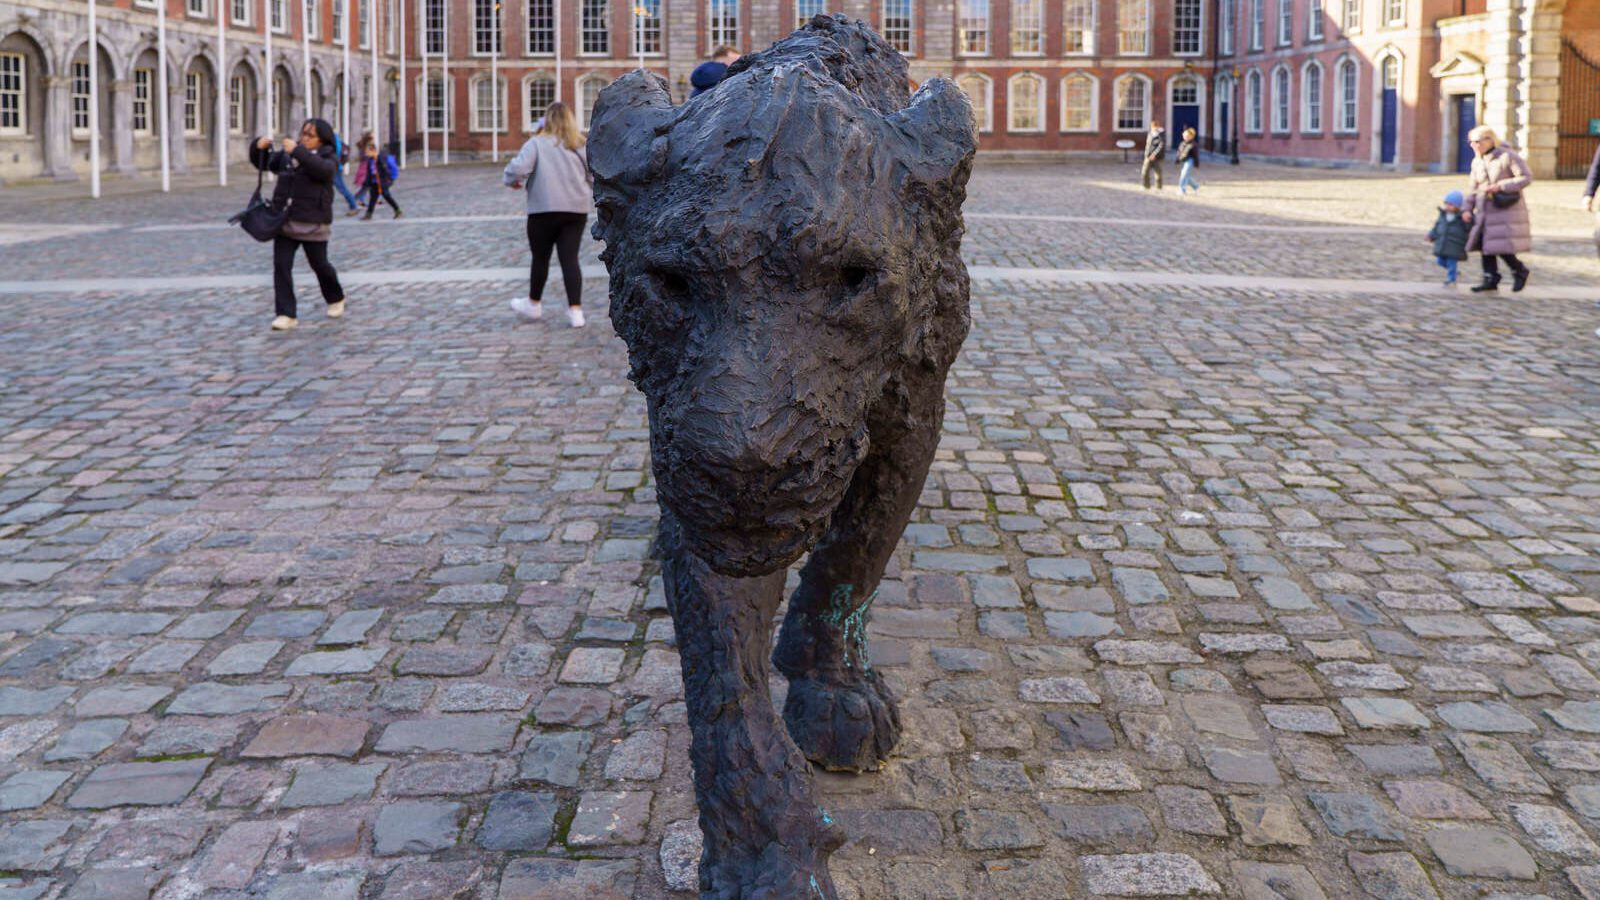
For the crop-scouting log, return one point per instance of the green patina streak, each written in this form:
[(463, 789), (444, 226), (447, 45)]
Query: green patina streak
[(852, 623)]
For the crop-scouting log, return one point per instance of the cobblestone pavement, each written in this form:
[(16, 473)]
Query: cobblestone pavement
[(1258, 593)]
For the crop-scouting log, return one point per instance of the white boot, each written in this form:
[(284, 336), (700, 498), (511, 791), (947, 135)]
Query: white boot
[(575, 316), (527, 308)]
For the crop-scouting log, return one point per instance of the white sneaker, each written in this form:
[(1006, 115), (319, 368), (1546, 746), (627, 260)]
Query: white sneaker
[(526, 308), (335, 310), (575, 316), (284, 323)]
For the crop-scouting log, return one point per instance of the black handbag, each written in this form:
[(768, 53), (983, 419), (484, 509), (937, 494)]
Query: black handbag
[(1505, 199), (259, 218)]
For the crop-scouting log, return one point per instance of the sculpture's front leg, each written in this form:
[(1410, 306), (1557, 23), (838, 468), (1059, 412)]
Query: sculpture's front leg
[(766, 836)]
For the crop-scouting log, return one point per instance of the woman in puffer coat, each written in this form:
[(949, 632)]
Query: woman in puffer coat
[(305, 170), (1498, 232)]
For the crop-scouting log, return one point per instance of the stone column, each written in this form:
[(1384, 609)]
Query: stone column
[(1538, 126), (683, 44), (58, 128), (1502, 69), (122, 128), (935, 55), (177, 141)]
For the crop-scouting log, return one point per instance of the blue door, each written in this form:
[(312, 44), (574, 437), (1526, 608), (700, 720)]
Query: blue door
[(1184, 115), (1389, 135), (1224, 128), (1466, 120)]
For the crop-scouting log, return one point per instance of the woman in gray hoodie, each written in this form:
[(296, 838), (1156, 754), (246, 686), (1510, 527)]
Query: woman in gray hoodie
[(554, 169)]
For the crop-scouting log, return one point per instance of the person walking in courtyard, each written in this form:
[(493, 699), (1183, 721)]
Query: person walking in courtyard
[(553, 167), (305, 170), (378, 173), (1449, 237), (1155, 148), (341, 155), (1188, 158), (710, 73), (1496, 210), (1590, 185)]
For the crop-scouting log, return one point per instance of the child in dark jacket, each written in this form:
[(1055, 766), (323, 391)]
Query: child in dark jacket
[(1449, 236), (378, 172)]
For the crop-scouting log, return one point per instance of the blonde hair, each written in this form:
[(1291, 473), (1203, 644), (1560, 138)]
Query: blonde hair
[(1482, 133), (1189, 134), (560, 124)]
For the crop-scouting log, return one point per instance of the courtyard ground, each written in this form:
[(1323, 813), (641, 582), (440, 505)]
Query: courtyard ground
[(1253, 562)]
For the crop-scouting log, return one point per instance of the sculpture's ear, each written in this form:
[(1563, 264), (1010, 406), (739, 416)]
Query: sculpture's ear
[(940, 131), (628, 117)]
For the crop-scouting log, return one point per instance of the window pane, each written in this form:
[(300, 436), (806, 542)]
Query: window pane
[(1132, 99), (1133, 27), (1225, 28), (80, 96), (1025, 112), (1078, 22), (1313, 93), (141, 98), (1079, 97), (485, 30), (541, 27), (977, 91), (724, 23), (1186, 27), (1285, 21), (1027, 27), (588, 92), (805, 10), (1314, 25), (974, 37), (1347, 96), (1352, 15), (541, 93), (1257, 23), (646, 26), (897, 26), (434, 26), (1185, 90)]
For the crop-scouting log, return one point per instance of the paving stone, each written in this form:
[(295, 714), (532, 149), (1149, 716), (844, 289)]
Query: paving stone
[(1276, 881), (592, 665), (115, 623), (1061, 689), (1355, 815), (483, 733), (1136, 653), (1015, 877), (1097, 825), (86, 740), (30, 789), (350, 628), (1486, 716), (1575, 716), (1147, 875), (1281, 680), (232, 860), (15, 701), (1268, 821), (441, 778), (1499, 764), (286, 624), (1397, 759), (1241, 766), (1391, 876), (1060, 569), (1080, 624), (186, 737), (1090, 774), (415, 826), (1190, 810), (244, 659), (990, 829), (1217, 714), (1434, 800), (606, 818), (1481, 853), (1555, 831), (519, 820), (355, 661), (474, 697), (214, 699), (314, 886), (1580, 756), (1385, 712), (568, 879), (139, 784), (446, 661), (308, 736), (332, 784), (1081, 730), (1301, 718), (555, 757), (891, 832)]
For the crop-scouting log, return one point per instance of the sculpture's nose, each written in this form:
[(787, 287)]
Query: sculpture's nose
[(740, 414)]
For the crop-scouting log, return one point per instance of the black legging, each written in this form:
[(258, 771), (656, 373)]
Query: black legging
[(388, 197), (1491, 266), (283, 249), (564, 232)]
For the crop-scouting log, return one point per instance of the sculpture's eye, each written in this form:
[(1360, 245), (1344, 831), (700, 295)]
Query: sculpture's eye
[(853, 282), (669, 284), (856, 276)]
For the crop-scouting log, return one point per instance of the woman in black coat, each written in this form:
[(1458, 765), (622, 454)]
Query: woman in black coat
[(305, 171)]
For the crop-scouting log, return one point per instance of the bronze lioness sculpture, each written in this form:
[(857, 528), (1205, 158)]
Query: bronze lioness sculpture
[(784, 254)]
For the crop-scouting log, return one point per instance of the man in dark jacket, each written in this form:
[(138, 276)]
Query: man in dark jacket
[(1155, 148), (305, 170), (1589, 187), (710, 73)]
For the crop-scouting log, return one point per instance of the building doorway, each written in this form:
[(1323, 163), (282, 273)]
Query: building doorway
[(1466, 119), (1388, 132), (1185, 106)]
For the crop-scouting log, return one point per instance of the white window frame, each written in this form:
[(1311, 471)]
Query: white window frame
[(363, 25), (647, 31), (144, 4), (1254, 102), (1027, 37), (1351, 23), (1124, 33), (723, 28), (1198, 32), (391, 26), (585, 106), (239, 12), (540, 21), (236, 104), (80, 94), (476, 112), (1225, 28), (587, 30), (986, 120), (1394, 13), (311, 10), (903, 38), (1013, 107), (432, 27), (804, 10), (143, 87), (485, 33), (1312, 105), (278, 15), (198, 9), (193, 115), (1285, 23), (532, 111), (1315, 28), (1282, 99), (971, 39), (1117, 107), (1078, 18), (341, 24), (1258, 24), (1094, 102), (424, 102), (1347, 109)]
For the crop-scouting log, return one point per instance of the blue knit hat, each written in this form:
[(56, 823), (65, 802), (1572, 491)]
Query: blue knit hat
[(1453, 198)]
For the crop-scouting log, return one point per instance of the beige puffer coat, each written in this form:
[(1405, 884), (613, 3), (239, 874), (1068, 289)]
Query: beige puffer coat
[(1494, 230)]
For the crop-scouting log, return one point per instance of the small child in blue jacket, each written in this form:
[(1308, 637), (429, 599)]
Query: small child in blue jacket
[(1449, 236)]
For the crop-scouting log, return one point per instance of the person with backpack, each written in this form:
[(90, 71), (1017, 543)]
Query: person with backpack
[(710, 73), (305, 170), (378, 174), (1188, 158), (341, 152), (553, 166)]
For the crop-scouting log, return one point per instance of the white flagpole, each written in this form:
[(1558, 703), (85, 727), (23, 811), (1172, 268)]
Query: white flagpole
[(305, 54), (638, 31), (558, 48), (427, 87), (372, 80), (494, 83), (224, 89), (350, 22), (444, 78), (94, 102), (404, 118), (266, 18), (165, 125)]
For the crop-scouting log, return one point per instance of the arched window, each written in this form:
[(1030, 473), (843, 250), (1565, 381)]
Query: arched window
[(1132, 97), (1252, 102), (1185, 91), (438, 112), (1280, 99), (236, 105), (539, 91), (1025, 103), (488, 98), (1080, 99), (980, 91), (589, 87), (1348, 87), (1311, 98)]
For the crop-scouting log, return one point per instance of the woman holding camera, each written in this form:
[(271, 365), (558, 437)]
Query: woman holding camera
[(305, 170), (1496, 209)]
